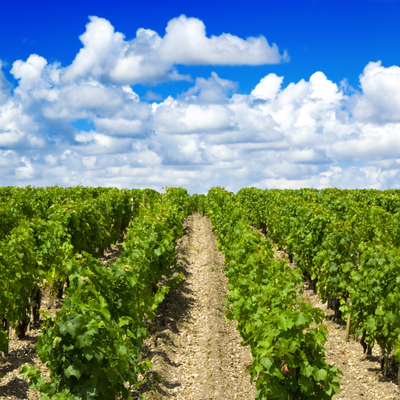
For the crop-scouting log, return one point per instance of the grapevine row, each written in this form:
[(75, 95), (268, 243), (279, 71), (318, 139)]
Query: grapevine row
[(48, 227), (280, 327), (348, 243), (92, 346)]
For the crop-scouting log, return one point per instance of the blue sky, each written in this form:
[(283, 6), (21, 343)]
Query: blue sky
[(65, 121), (337, 37)]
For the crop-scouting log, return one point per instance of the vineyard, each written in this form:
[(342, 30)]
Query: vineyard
[(105, 341)]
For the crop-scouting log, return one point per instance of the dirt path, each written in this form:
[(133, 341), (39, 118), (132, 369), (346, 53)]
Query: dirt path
[(196, 354)]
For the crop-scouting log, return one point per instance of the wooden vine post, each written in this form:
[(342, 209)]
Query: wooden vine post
[(348, 328), (36, 306), (385, 362), (52, 298), (6, 327), (348, 325)]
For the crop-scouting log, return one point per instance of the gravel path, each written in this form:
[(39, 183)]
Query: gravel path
[(196, 354)]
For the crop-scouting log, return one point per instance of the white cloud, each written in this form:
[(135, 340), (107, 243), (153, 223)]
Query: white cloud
[(309, 133), (17, 129), (152, 96), (101, 47), (26, 171), (95, 143), (268, 87), (107, 56), (179, 117), (29, 72), (380, 99), (120, 126), (186, 43), (210, 91)]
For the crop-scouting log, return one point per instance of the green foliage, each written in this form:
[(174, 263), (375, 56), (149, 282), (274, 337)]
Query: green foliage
[(288, 353), (18, 275), (199, 203), (375, 296), (92, 346), (43, 228), (346, 239)]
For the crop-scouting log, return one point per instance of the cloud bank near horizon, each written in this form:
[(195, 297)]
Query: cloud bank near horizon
[(313, 133)]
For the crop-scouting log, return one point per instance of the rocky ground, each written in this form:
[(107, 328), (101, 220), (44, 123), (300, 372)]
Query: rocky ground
[(196, 354), (22, 352)]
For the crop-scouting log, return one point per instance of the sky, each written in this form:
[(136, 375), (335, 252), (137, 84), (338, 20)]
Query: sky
[(284, 94)]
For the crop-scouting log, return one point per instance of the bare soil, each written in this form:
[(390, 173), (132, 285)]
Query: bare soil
[(22, 352), (196, 354)]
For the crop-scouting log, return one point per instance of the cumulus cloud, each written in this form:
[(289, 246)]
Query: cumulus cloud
[(213, 90), (297, 134), (268, 87), (29, 72), (380, 100), (175, 116), (152, 96), (186, 43), (18, 129), (148, 57)]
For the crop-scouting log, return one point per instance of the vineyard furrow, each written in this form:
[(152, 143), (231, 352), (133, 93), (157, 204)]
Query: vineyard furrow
[(196, 354)]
